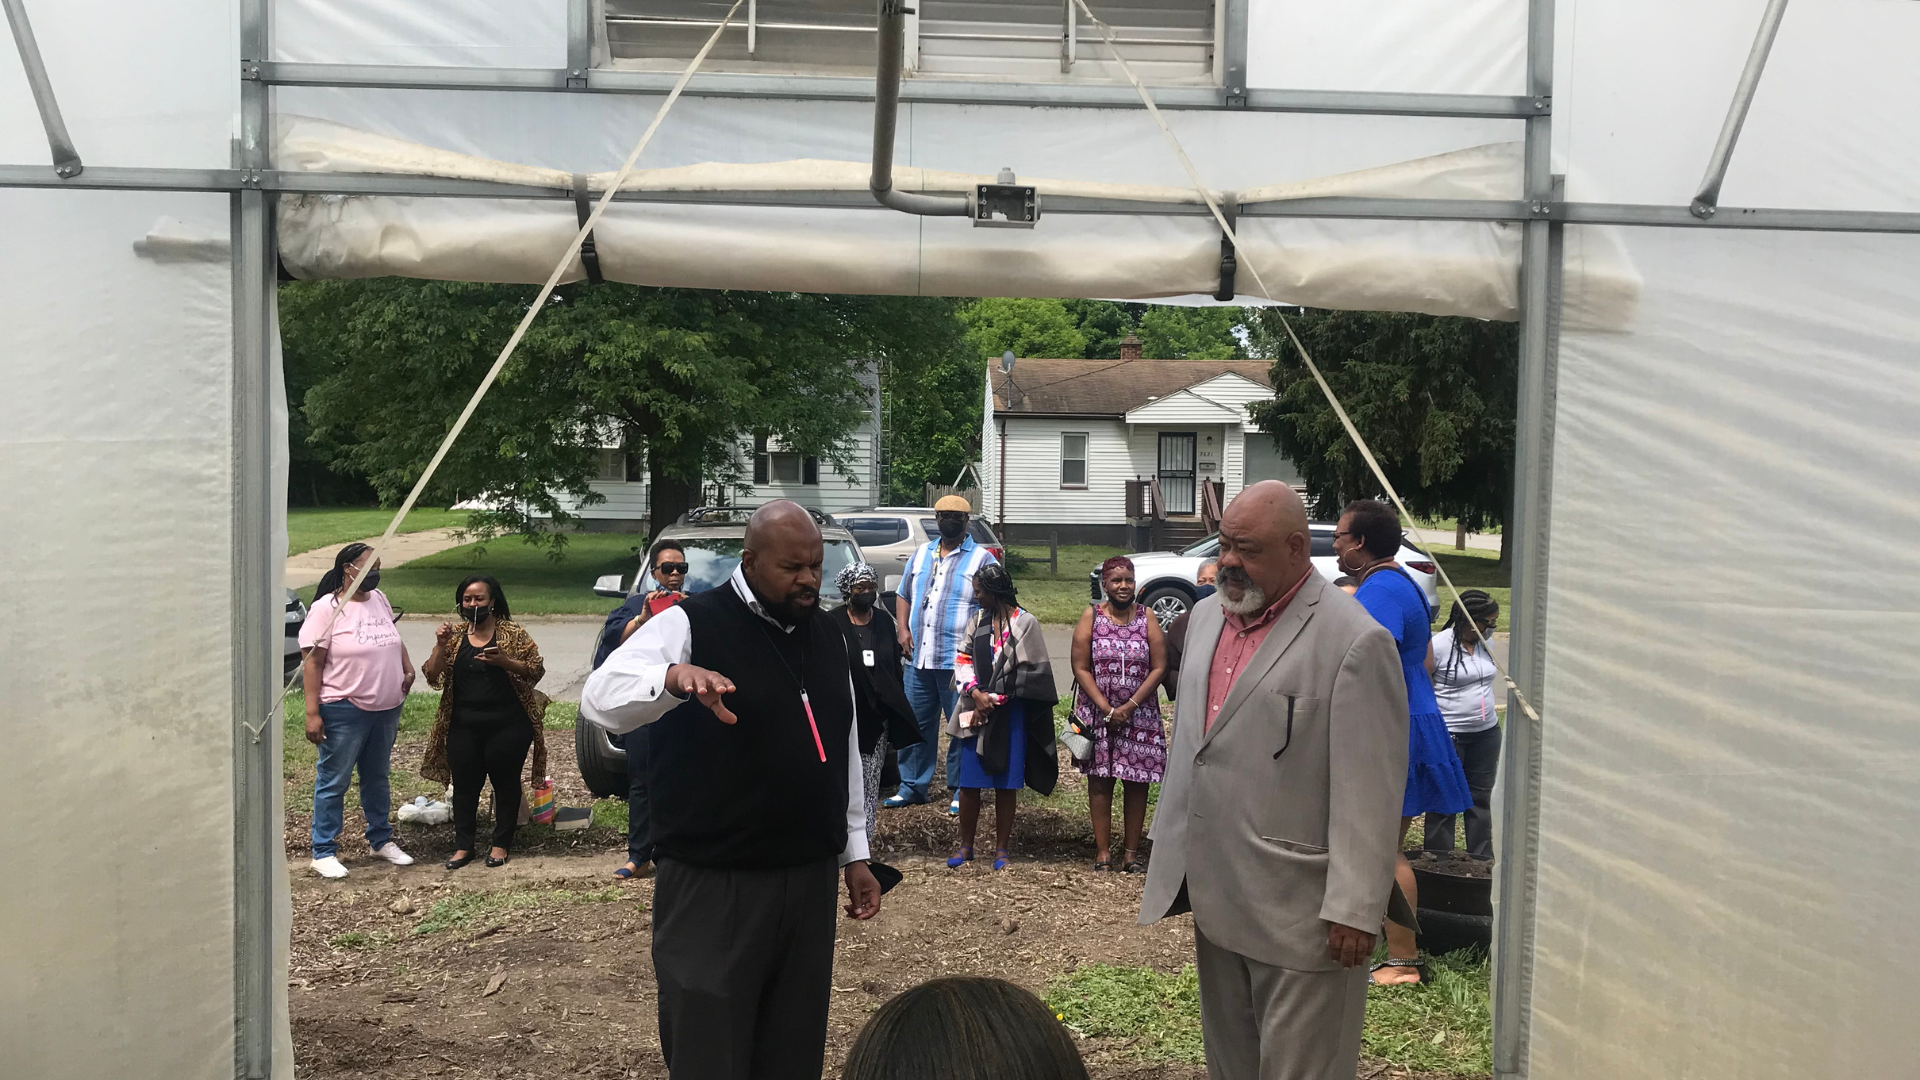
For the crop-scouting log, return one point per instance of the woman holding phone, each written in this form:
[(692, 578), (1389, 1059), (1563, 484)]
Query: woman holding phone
[(490, 715)]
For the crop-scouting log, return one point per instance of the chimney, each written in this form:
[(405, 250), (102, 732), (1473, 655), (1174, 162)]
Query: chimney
[(1130, 348)]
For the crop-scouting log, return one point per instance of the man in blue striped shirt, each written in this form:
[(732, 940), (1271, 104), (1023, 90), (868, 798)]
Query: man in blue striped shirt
[(934, 606)]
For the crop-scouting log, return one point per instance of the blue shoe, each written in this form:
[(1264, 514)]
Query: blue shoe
[(1002, 858), (960, 858), (901, 799), (953, 808)]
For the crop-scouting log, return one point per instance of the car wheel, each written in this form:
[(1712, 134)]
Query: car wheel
[(1167, 602), (604, 773)]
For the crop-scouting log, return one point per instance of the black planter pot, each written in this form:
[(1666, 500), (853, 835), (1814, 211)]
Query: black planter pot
[(1455, 911)]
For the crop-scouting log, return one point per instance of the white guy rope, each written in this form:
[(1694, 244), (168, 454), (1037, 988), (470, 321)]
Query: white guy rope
[(1339, 410), (506, 352)]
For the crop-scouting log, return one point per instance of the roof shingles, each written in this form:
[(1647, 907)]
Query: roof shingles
[(1104, 387)]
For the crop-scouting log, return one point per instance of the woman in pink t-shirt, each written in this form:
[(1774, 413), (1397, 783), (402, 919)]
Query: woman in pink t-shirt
[(356, 674)]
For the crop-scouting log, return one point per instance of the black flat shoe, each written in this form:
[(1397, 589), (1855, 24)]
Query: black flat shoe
[(502, 861), (457, 863)]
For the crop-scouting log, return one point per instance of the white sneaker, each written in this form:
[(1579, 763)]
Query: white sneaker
[(329, 867), (391, 852)]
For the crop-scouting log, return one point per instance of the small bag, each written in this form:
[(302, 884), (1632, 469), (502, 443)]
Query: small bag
[(542, 802), (1073, 736)]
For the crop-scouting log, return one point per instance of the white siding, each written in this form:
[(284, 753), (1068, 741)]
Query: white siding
[(1234, 391), (1185, 408), (1034, 495), (1233, 471), (838, 490), (1223, 451)]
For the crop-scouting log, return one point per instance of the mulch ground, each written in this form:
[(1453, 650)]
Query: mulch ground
[(540, 969)]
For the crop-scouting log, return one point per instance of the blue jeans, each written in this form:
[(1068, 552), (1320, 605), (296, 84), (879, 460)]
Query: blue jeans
[(930, 692), (355, 737)]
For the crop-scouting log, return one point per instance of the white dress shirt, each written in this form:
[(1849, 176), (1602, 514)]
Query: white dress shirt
[(630, 691)]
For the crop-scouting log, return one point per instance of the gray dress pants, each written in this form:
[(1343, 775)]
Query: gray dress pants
[(1262, 1022)]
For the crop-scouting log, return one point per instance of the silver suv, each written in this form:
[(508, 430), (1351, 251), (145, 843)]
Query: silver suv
[(712, 537), (889, 535)]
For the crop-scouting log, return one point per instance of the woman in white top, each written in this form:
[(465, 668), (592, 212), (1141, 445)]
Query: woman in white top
[(1463, 683)]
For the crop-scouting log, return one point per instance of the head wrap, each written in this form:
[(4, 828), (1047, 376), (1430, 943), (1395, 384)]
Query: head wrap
[(998, 583), (853, 575), (1116, 561), (953, 502)]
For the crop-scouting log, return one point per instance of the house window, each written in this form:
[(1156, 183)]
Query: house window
[(612, 466), (774, 464), (1073, 459)]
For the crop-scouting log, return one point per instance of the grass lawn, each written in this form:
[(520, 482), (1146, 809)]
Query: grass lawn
[(317, 527), (1474, 570), (1442, 1027), (535, 582), (1056, 598)]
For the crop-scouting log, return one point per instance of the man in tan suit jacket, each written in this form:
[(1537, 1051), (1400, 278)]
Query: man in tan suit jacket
[(1280, 811)]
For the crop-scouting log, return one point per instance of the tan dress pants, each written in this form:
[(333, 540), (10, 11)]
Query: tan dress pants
[(1262, 1022)]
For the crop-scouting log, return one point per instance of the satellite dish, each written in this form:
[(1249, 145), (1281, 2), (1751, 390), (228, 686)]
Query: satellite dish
[(1006, 360)]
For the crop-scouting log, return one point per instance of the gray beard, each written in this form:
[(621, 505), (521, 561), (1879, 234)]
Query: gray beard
[(1252, 597)]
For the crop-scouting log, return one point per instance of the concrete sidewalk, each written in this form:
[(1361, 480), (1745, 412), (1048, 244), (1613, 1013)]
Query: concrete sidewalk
[(307, 567)]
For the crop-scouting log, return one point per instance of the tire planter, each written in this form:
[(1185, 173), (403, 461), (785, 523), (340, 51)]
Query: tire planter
[(1456, 900)]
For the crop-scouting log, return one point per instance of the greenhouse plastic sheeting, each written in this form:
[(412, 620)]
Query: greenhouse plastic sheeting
[(1730, 760)]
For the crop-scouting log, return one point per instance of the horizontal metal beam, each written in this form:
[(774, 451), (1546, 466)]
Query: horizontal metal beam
[(1736, 217), (922, 91), (107, 178)]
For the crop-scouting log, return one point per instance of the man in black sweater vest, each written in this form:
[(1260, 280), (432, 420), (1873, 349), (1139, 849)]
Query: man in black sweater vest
[(757, 805)]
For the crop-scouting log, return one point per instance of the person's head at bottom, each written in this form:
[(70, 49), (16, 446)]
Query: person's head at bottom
[(964, 1029)]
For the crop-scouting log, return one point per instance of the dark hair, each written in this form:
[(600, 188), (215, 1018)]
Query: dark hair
[(964, 1029), (1376, 526), (500, 609), (1475, 609), (1345, 580), (653, 553), (999, 584), (336, 579)]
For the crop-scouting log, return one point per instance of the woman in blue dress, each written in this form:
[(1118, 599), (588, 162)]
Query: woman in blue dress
[(1366, 541)]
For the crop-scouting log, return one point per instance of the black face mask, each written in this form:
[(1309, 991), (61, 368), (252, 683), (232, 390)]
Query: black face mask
[(861, 602), (371, 583), (475, 615), (952, 528)]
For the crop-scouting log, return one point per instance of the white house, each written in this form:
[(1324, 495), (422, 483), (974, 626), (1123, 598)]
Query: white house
[(775, 472), (1070, 437)]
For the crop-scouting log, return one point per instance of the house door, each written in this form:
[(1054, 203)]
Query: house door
[(1176, 471)]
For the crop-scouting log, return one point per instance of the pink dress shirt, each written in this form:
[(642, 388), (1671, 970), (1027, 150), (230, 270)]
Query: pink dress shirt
[(1239, 640)]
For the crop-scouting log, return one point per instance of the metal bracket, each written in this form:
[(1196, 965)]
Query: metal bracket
[(576, 79), (583, 209), (249, 71), (1229, 261)]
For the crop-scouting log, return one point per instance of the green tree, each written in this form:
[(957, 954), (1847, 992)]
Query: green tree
[(1433, 396), (680, 375), (1104, 323), (1027, 326), (1192, 333)]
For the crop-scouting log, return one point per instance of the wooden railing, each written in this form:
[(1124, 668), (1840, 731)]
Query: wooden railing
[(1211, 491), (1144, 501)]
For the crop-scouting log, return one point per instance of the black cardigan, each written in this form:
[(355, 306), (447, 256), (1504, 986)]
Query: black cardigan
[(880, 694)]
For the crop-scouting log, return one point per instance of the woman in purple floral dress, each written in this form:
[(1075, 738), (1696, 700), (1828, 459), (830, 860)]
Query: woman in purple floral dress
[(1119, 659)]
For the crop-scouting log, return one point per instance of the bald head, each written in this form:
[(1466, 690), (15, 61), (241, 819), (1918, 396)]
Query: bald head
[(781, 560), (1264, 546)]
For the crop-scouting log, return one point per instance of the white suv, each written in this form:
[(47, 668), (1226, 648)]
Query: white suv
[(1166, 578)]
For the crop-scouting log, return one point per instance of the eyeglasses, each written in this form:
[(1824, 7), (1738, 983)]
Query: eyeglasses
[(670, 568)]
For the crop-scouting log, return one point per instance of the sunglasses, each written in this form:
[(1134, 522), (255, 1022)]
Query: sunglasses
[(670, 568)]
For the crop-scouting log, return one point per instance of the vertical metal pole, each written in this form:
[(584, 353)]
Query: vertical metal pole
[(579, 41), (1069, 36), (1233, 73), (1530, 538), (66, 160), (753, 27), (255, 682), (1707, 200)]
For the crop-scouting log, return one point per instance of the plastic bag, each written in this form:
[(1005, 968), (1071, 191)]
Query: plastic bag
[(422, 812)]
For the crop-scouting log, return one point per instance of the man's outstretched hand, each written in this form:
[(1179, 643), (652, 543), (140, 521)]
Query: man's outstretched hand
[(1349, 947), (863, 892), (685, 680)]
